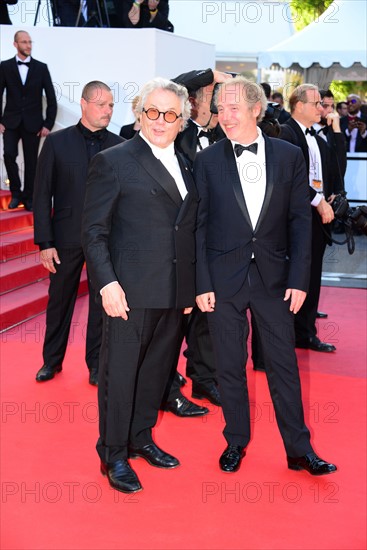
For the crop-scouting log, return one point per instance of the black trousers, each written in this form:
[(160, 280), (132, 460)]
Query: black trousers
[(62, 294), (305, 320), (135, 362), (229, 329), (200, 366), (30, 142)]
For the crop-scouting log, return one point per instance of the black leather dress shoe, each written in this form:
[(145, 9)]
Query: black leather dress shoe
[(184, 408), (154, 455), (28, 205), (321, 315), (207, 391), (312, 463), (121, 476), (315, 344), (230, 461), (93, 377), (47, 373), (14, 203)]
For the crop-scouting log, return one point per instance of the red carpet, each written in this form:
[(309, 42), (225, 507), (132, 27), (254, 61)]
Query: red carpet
[(53, 496)]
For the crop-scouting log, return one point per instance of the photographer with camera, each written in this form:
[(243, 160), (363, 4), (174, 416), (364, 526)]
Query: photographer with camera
[(324, 182), (354, 126)]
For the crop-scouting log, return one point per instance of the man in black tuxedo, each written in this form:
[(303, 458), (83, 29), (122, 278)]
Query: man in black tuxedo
[(354, 125), (201, 131), (24, 80), (253, 250), (58, 204), (138, 238), (324, 182)]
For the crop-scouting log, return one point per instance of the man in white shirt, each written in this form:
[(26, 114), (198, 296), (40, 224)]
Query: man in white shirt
[(138, 239), (253, 251), (324, 182)]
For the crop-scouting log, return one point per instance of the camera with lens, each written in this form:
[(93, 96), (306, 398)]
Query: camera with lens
[(352, 218)]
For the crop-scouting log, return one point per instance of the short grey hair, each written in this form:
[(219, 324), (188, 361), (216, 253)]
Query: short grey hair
[(160, 83), (300, 94), (251, 92)]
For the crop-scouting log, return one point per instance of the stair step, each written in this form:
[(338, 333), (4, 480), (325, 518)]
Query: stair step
[(17, 244), (5, 198), (27, 302), (13, 220), (21, 272)]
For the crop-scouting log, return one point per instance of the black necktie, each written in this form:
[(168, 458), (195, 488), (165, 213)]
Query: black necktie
[(311, 131), (23, 63), (239, 149)]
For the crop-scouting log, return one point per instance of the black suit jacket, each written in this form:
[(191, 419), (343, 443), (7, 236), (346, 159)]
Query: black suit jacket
[(187, 141), (24, 102), (59, 187), (292, 132), (136, 228), (226, 239), (361, 145)]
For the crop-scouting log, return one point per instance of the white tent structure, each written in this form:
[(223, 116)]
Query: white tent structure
[(240, 30), (334, 47)]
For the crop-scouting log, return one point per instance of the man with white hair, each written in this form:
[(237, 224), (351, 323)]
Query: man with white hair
[(138, 238)]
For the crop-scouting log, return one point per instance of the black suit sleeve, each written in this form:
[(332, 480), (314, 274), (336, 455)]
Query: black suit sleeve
[(51, 109), (101, 195), (44, 188)]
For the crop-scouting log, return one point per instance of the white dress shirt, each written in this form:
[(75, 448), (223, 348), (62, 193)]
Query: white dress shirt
[(23, 69), (315, 172), (168, 158), (252, 172)]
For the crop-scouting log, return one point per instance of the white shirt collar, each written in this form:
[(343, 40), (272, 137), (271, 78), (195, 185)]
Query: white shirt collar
[(158, 152), (259, 140), (302, 126), (26, 60)]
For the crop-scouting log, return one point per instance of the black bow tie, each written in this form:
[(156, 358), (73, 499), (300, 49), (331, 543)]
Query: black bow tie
[(23, 63), (203, 133), (324, 130), (311, 131), (239, 149)]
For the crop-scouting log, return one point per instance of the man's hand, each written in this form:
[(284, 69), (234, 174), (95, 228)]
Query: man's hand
[(43, 132), (49, 258), (297, 298), (114, 301), (187, 310), (2, 128), (325, 211), (206, 302), (361, 127), (333, 120), (220, 77)]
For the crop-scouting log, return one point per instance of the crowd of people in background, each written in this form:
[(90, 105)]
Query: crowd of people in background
[(95, 13)]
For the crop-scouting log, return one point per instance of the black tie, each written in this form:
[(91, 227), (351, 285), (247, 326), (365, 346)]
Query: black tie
[(23, 63), (239, 149), (310, 131)]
